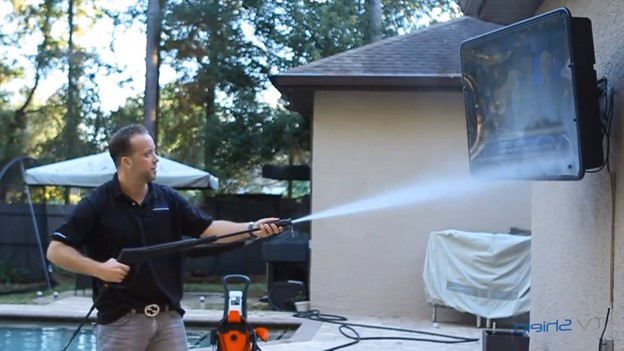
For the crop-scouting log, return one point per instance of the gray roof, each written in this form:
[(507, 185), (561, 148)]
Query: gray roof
[(424, 59), (433, 50)]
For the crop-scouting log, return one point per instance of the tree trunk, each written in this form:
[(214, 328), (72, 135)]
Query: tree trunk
[(375, 17), (70, 128), (209, 137), (70, 120), (152, 63)]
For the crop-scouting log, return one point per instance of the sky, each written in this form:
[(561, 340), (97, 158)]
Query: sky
[(127, 53)]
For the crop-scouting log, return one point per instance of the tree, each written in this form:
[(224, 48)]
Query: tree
[(67, 123), (219, 65), (152, 64), (31, 21), (73, 62), (376, 19)]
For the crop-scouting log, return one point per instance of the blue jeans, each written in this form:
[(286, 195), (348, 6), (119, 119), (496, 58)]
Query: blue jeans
[(138, 332)]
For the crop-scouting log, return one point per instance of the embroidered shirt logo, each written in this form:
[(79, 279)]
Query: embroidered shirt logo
[(160, 208)]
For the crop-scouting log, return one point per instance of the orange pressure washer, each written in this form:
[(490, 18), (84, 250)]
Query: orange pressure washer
[(233, 332)]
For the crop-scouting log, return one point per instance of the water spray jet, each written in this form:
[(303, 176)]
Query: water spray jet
[(416, 193)]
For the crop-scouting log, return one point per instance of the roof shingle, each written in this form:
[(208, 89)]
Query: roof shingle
[(425, 59), (432, 51)]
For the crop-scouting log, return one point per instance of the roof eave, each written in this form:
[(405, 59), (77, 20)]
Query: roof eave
[(299, 89), (503, 12), (368, 80)]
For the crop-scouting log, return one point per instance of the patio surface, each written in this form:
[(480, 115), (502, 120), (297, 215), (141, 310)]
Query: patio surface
[(310, 335)]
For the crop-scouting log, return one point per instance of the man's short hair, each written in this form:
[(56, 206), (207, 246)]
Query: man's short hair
[(119, 145)]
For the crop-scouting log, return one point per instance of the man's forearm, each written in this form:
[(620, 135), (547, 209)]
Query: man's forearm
[(221, 227), (261, 228), (70, 259)]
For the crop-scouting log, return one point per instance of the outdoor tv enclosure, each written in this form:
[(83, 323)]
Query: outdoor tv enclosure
[(531, 96)]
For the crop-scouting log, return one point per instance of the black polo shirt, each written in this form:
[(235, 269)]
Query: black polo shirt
[(107, 220)]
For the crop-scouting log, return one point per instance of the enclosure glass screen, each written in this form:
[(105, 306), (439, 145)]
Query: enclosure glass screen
[(520, 106)]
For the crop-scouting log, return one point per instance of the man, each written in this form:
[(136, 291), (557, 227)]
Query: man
[(132, 211)]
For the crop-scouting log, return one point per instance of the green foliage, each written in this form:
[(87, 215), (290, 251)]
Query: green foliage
[(9, 274), (219, 93), (181, 126), (35, 126)]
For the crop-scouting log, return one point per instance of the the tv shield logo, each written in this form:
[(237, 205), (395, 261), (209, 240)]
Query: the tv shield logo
[(558, 325)]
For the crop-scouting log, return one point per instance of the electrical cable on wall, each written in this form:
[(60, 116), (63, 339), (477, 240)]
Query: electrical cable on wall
[(611, 259), (606, 118), (604, 329)]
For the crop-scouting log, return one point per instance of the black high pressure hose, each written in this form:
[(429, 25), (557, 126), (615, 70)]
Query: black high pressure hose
[(135, 256), (345, 328)]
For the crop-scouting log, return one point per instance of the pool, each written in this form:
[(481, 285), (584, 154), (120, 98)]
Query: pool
[(24, 336)]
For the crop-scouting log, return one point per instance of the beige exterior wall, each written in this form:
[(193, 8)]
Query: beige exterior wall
[(572, 222), (367, 144)]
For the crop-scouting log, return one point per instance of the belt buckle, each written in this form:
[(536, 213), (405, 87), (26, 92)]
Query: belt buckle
[(151, 310)]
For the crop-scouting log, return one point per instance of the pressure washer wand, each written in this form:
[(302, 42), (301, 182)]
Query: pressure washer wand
[(147, 252), (135, 256)]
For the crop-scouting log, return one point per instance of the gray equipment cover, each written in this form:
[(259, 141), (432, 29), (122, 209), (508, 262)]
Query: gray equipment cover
[(485, 274)]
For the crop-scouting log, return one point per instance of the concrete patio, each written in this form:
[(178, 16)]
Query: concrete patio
[(307, 335)]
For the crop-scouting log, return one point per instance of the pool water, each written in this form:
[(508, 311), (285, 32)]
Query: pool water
[(53, 337)]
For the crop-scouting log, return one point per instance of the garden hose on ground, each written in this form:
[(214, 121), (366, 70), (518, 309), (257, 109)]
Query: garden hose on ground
[(348, 330)]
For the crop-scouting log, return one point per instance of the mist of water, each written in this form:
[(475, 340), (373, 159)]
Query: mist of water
[(420, 192)]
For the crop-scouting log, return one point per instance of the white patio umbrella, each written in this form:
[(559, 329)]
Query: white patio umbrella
[(94, 170)]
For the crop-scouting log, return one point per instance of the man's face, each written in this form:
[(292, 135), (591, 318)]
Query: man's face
[(143, 159)]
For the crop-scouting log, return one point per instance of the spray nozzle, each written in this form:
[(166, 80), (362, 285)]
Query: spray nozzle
[(283, 222), (286, 223)]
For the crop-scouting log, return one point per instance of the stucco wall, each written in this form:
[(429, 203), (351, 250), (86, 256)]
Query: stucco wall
[(572, 222), (367, 144)]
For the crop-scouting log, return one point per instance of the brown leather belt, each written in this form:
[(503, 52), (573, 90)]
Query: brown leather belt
[(152, 310)]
